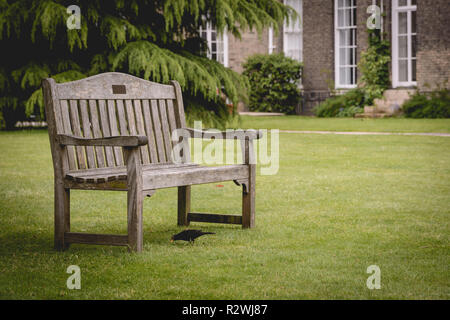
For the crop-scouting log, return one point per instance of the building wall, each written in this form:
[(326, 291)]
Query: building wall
[(433, 42), (318, 52), (433, 45), (240, 49)]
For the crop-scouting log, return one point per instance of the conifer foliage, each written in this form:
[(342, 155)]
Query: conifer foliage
[(153, 39)]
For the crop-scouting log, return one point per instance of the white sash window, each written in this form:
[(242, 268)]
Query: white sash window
[(345, 43), (217, 44), (292, 33), (404, 43)]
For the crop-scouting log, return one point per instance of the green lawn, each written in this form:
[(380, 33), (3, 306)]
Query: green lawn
[(338, 205), (346, 124)]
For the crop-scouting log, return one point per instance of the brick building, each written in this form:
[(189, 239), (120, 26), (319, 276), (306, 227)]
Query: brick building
[(331, 35)]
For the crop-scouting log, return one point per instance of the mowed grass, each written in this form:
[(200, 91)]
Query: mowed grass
[(337, 205), (346, 124)]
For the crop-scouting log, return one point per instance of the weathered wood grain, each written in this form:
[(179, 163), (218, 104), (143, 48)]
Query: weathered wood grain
[(113, 122), (248, 191), (96, 132), (134, 199), (184, 205), (100, 87), (140, 127), (158, 132), (149, 130), (105, 129), (76, 127), (165, 130), (122, 141), (87, 133), (92, 238), (68, 130), (113, 132), (214, 218), (180, 119)]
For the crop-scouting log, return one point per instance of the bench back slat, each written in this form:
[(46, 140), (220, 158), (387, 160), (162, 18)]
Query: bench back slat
[(158, 132), (141, 130), (112, 117), (105, 128), (149, 130), (115, 104), (165, 130), (75, 121), (68, 130), (96, 132), (87, 133)]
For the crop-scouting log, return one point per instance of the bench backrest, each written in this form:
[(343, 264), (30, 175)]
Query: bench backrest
[(112, 104)]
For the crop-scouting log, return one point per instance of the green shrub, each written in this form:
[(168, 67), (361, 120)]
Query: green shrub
[(349, 112), (374, 66), (435, 104), (345, 105), (274, 82)]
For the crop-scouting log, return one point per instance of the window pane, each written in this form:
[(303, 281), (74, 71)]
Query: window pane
[(413, 71), (413, 21), (354, 17), (403, 70), (402, 22), (340, 14), (413, 46), (352, 40), (402, 3), (403, 47), (342, 76), (351, 57), (342, 38), (352, 76), (413, 2), (348, 72), (342, 56), (347, 17)]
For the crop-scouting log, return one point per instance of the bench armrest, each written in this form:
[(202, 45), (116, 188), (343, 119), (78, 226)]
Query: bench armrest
[(118, 141), (249, 134)]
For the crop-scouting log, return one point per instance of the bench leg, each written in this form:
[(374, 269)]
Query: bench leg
[(184, 205), (135, 198), (62, 216), (134, 214), (248, 200)]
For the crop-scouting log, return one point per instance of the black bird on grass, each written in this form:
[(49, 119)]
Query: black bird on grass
[(189, 235)]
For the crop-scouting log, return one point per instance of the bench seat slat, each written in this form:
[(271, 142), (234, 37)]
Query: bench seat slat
[(159, 176)]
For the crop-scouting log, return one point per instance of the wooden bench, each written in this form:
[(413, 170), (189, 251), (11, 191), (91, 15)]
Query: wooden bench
[(113, 131)]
